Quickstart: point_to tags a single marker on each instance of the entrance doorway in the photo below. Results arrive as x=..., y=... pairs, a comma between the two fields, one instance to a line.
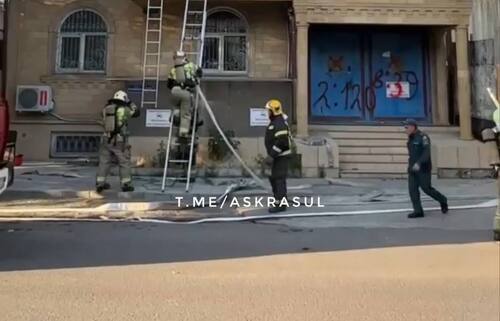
x=368, y=75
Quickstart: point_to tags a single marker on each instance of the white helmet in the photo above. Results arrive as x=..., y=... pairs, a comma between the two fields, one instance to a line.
x=121, y=95
x=180, y=54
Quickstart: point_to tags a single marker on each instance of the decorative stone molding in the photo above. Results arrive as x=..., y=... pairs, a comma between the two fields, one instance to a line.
x=438, y=12
x=75, y=82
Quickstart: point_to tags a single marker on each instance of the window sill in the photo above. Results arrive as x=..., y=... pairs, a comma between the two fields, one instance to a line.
x=73, y=77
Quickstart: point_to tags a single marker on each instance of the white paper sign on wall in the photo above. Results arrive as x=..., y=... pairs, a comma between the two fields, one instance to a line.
x=398, y=89
x=259, y=117
x=158, y=118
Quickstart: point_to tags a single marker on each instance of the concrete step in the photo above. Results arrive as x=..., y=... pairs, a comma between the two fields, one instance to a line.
x=360, y=150
x=370, y=143
x=383, y=159
x=367, y=135
x=359, y=174
x=386, y=129
x=374, y=167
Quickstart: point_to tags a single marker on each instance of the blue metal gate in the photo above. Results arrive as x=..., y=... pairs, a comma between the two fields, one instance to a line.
x=361, y=75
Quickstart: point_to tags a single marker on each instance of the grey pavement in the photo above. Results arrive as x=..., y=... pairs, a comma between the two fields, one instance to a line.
x=40, y=187
x=47, y=245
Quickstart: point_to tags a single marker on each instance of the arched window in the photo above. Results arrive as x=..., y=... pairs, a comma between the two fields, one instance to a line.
x=225, y=43
x=82, y=43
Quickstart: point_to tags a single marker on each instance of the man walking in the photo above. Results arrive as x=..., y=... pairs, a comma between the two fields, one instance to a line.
x=278, y=147
x=114, y=144
x=419, y=169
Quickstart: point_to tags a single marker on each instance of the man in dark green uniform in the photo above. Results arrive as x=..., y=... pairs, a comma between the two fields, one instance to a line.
x=419, y=169
x=278, y=147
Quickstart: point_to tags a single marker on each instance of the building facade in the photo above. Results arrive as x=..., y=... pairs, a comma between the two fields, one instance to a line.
x=349, y=70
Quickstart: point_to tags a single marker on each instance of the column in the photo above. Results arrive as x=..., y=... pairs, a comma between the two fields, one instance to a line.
x=440, y=110
x=497, y=48
x=463, y=82
x=302, y=84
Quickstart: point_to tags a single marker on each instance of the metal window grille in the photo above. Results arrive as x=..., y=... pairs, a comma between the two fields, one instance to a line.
x=71, y=145
x=82, y=45
x=225, y=48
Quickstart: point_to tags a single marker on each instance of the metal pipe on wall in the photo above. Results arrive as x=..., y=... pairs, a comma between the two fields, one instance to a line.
x=292, y=58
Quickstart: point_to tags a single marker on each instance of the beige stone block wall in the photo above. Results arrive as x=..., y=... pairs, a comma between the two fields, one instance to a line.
x=32, y=58
x=34, y=141
x=38, y=23
x=458, y=154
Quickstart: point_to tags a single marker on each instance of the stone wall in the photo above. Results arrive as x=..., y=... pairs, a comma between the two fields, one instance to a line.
x=485, y=23
x=33, y=48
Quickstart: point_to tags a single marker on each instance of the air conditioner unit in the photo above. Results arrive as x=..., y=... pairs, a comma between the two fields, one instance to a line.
x=34, y=99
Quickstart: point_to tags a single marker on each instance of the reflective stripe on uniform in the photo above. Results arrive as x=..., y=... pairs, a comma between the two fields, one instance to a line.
x=276, y=149
x=126, y=180
x=101, y=179
x=287, y=152
x=281, y=133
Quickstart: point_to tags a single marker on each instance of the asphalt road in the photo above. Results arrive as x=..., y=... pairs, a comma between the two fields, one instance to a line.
x=369, y=267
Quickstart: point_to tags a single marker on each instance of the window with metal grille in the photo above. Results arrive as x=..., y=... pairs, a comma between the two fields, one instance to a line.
x=69, y=145
x=82, y=43
x=225, y=48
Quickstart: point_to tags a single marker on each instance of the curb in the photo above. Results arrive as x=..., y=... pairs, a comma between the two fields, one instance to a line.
x=198, y=219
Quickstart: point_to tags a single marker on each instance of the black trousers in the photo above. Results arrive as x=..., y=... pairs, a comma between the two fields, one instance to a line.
x=422, y=180
x=279, y=172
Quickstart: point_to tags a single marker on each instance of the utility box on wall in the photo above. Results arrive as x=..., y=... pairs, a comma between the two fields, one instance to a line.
x=34, y=99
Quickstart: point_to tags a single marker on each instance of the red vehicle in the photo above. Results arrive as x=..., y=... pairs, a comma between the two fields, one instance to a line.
x=7, y=140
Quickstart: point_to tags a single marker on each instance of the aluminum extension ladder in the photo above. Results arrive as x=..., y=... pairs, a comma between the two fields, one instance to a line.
x=152, y=50
x=192, y=43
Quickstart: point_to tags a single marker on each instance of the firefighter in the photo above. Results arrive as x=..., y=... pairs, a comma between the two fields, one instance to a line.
x=182, y=82
x=492, y=137
x=419, y=169
x=278, y=146
x=114, y=144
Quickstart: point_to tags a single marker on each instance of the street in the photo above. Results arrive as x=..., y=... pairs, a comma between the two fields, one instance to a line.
x=362, y=267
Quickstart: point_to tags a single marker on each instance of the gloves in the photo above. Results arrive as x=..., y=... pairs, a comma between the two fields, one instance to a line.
x=416, y=167
x=268, y=161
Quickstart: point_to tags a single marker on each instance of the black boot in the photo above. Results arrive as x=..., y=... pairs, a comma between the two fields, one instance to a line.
x=277, y=209
x=444, y=208
x=415, y=215
x=127, y=188
x=102, y=187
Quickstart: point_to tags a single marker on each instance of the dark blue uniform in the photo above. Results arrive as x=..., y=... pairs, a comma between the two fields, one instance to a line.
x=419, y=151
x=278, y=143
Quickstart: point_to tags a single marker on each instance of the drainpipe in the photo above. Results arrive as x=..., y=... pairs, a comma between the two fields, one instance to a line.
x=292, y=57
x=3, y=54
x=292, y=36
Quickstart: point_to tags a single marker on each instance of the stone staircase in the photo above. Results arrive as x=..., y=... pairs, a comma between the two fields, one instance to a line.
x=371, y=151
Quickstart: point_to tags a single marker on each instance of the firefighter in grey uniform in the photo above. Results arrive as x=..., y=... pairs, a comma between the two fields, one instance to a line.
x=114, y=145
x=420, y=169
x=492, y=137
x=278, y=146
x=182, y=82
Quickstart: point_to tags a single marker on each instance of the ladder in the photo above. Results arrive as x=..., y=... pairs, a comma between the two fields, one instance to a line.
x=152, y=50
x=192, y=43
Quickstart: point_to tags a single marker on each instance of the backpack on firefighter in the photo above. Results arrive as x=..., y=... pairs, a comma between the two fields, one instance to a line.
x=115, y=115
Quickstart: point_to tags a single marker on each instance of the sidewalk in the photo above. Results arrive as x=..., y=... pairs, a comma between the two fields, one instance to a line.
x=65, y=190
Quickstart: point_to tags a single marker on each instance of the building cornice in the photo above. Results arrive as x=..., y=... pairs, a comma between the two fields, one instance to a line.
x=425, y=12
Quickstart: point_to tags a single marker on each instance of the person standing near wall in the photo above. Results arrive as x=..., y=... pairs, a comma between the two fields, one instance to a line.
x=114, y=144
x=278, y=147
x=420, y=169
